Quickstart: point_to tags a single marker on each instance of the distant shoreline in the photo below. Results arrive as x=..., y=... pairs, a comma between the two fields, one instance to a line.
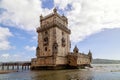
x=105, y=61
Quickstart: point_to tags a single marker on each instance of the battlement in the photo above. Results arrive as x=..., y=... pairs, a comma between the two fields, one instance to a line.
x=53, y=18
x=53, y=24
x=81, y=55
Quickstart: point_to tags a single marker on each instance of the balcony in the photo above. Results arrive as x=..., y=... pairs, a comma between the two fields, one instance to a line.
x=53, y=24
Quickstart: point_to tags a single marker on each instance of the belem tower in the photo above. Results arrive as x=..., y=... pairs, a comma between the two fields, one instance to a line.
x=53, y=50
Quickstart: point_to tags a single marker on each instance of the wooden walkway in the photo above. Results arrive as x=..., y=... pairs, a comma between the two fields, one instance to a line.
x=15, y=65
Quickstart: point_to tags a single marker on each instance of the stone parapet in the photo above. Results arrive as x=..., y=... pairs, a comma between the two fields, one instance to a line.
x=53, y=24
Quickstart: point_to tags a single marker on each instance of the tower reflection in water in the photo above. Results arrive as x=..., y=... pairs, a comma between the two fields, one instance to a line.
x=63, y=75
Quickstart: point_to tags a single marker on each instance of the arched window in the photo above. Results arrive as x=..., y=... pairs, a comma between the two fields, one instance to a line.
x=63, y=42
x=45, y=41
x=55, y=47
x=45, y=48
x=62, y=33
x=76, y=51
x=46, y=33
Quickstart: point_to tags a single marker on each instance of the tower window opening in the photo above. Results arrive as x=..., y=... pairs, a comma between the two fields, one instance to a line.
x=76, y=51
x=46, y=32
x=45, y=48
x=55, y=47
x=62, y=33
x=46, y=39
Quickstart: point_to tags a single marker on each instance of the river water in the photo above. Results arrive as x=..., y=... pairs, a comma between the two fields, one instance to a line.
x=99, y=72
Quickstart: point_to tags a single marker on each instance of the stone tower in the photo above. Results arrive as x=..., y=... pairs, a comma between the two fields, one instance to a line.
x=53, y=41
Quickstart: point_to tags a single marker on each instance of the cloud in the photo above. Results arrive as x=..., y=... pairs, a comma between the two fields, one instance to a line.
x=62, y=4
x=8, y=57
x=4, y=35
x=87, y=17
x=5, y=56
x=34, y=37
x=23, y=14
x=30, y=48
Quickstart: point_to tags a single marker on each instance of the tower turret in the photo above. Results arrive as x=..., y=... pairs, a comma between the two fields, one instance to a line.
x=90, y=55
x=75, y=50
x=55, y=10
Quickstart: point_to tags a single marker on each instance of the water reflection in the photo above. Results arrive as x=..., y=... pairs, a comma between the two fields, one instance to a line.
x=63, y=75
x=99, y=72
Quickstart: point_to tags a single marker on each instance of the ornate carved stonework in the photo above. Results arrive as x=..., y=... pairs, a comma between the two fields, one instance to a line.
x=46, y=41
x=55, y=48
x=63, y=41
x=53, y=24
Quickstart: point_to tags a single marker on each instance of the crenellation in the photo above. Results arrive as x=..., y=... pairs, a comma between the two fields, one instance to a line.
x=47, y=26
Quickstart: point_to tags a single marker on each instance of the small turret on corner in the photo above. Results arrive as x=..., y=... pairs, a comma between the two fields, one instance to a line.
x=76, y=50
x=55, y=10
x=90, y=55
x=90, y=58
x=37, y=51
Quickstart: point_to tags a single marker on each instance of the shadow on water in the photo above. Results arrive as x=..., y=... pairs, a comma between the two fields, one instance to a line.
x=62, y=75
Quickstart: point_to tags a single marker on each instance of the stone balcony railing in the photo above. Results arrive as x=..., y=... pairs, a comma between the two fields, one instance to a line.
x=53, y=24
x=82, y=55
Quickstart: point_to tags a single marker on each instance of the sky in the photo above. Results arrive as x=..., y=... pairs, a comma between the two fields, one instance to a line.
x=94, y=25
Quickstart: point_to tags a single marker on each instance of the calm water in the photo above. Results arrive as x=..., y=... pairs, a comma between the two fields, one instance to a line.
x=99, y=72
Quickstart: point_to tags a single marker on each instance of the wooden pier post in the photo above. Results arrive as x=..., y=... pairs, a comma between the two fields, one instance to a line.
x=13, y=67
x=17, y=67
x=7, y=67
x=25, y=67
x=2, y=67
x=28, y=67
x=22, y=67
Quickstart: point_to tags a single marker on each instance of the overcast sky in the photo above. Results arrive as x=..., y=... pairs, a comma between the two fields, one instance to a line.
x=95, y=26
